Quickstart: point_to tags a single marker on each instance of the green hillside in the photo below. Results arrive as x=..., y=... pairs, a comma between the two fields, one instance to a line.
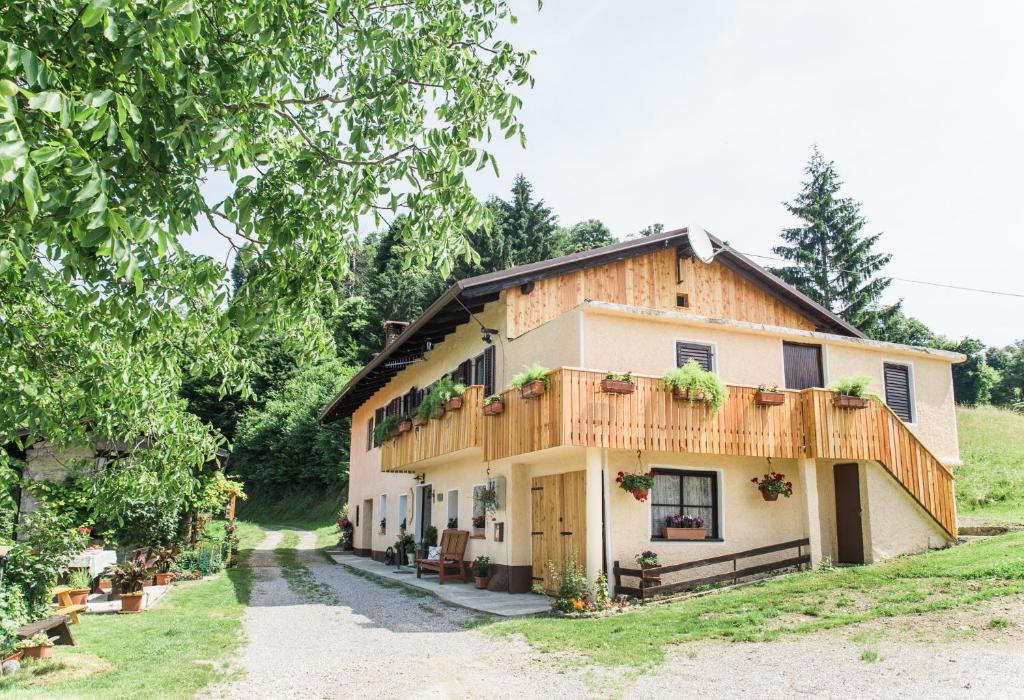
x=990, y=484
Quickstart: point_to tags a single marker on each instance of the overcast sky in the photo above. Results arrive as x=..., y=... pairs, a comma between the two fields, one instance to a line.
x=706, y=112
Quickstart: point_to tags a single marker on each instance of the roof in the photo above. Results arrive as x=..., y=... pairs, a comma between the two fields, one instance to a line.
x=468, y=296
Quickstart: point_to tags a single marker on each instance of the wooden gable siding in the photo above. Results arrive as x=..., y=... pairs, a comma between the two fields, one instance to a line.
x=650, y=281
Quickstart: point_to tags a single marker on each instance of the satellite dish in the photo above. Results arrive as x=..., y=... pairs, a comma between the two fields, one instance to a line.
x=700, y=244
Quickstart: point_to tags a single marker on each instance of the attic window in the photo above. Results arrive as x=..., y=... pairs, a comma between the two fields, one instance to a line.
x=683, y=300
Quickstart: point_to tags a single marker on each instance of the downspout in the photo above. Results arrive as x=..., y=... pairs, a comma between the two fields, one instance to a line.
x=606, y=522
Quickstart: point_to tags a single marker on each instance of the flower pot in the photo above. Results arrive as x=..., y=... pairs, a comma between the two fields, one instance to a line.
x=533, y=389
x=418, y=422
x=405, y=426
x=481, y=581
x=163, y=579
x=684, y=533
x=453, y=404
x=855, y=402
x=769, y=398
x=768, y=496
x=494, y=408
x=131, y=602
x=478, y=531
x=38, y=652
x=617, y=386
x=688, y=395
x=79, y=596
x=437, y=412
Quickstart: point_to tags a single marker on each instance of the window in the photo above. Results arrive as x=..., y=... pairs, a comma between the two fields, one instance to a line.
x=682, y=300
x=403, y=511
x=384, y=509
x=802, y=365
x=378, y=417
x=898, y=393
x=482, y=369
x=453, y=509
x=701, y=352
x=478, y=506
x=685, y=493
x=369, y=434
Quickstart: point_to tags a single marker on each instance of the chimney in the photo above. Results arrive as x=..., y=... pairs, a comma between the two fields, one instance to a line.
x=393, y=329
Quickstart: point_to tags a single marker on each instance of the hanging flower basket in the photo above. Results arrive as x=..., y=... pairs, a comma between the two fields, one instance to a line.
x=493, y=405
x=453, y=404
x=769, y=397
x=438, y=412
x=615, y=383
x=637, y=484
x=405, y=426
x=533, y=389
x=772, y=485
x=419, y=422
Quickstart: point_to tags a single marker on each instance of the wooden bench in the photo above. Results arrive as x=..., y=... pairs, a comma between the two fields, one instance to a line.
x=64, y=606
x=453, y=551
x=57, y=623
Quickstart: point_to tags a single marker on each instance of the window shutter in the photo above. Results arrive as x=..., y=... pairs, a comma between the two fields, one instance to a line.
x=488, y=381
x=694, y=351
x=897, y=391
x=369, y=434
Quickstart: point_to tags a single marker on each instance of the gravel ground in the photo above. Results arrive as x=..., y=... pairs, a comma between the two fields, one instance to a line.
x=345, y=636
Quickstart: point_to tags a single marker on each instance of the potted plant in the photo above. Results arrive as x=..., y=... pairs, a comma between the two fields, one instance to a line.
x=691, y=383
x=637, y=484
x=684, y=527
x=649, y=560
x=165, y=558
x=80, y=583
x=769, y=395
x=772, y=485
x=128, y=579
x=479, y=524
x=404, y=424
x=488, y=499
x=383, y=525
x=38, y=646
x=449, y=393
x=403, y=545
x=531, y=382
x=482, y=571
x=493, y=405
x=429, y=539
x=387, y=428
x=618, y=383
x=852, y=392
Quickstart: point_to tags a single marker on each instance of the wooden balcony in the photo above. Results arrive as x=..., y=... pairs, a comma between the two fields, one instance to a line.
x=455, y=431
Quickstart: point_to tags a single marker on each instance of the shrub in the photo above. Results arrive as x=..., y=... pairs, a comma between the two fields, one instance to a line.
x=573, y=593
x=482, y=566
x=708, y=386
x=533, y=373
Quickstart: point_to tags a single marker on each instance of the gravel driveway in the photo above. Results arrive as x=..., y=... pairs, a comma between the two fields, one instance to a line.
x=337, y=635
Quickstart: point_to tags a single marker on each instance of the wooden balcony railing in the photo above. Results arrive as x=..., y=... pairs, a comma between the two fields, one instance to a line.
x=453, y=432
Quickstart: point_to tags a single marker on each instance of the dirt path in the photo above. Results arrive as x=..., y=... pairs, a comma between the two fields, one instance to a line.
x=316, y=630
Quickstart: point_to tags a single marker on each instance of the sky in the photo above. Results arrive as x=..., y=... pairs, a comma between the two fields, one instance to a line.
x=682, y=112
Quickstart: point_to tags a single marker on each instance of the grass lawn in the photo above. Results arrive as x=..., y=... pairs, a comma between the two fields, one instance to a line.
x=790, y=605
x=990, y=484
x=170, y=651
x=304, y=512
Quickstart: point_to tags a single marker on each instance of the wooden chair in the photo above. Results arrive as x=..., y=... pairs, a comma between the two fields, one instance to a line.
x=64, y=606
x=453, y=551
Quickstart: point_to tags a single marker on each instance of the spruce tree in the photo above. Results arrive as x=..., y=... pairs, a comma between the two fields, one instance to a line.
x=832, y=262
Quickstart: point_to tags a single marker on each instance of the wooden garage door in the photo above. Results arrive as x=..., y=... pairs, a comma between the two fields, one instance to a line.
x=559, y=525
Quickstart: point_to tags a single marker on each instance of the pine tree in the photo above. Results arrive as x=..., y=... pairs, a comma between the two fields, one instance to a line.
x=832, y=262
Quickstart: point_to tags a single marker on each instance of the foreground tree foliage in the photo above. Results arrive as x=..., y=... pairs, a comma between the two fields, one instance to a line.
x=322, y=116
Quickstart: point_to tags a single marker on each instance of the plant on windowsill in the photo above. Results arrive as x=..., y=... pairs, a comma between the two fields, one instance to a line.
x=648, y=559
x=387, y=428
x=637, y=484
x=479, y=525
x=769, y=395
x=852, y=392
x=772, y=485
x=482, y=571
x=383, y=525
x=404, y=424
x=691, y=383
x=531, y=382
x=684, y=527
x=618, y=383
x=493, y=405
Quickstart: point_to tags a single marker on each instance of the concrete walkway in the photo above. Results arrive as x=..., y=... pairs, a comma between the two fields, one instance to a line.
x=465, y=595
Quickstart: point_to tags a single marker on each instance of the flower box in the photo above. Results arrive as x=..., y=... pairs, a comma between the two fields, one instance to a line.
x=453, y=404
x=684, y=533
x=405, y=426
x=437, y=412
x=533, y=389
x=417, y=421
x=769, y=398
x=617, y=386
x=494, y=408
x=689, y=395
x=39, y=652
x=853, y=402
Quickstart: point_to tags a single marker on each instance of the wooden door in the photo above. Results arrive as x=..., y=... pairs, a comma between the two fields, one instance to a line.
x=427, y=509
x=559, y=524
x=803, y=366
x=368, y=525
x=849, y=534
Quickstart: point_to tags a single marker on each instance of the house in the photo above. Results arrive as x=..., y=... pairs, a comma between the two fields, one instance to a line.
x=868, y=483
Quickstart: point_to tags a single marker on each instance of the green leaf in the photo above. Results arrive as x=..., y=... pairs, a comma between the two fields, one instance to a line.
x=8, y=89
x=48, y=101
x=47, y=154
x=95, y=12
x=33, y=193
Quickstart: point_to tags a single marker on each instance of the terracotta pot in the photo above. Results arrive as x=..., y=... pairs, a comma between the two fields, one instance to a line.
x=854, y=402
x=481, y=581
x=454, y=403
x=163, y=579
x=405, y=426
x=437, y=412
x=684, y=533
x=79, y=596
x=617, y=386
x=38, y=652
x=131, y=602
x=769, y=496
x=494, y=408
x=533, y=389
x=688, y=395
x=417, y=421
x=769, y=398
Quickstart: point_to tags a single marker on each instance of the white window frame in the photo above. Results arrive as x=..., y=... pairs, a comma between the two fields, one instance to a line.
x=403, y=510
x=719, y=506
x=448, y=512
x=383, y=502
x=910, y=385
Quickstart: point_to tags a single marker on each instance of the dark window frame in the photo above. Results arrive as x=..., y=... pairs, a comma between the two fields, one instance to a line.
x=715, y=531
x=710, y=347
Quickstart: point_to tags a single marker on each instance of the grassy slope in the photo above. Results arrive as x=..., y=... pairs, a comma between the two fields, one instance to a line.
x=794, y=604
x=990, y=484
x=304, y=512
x=170, y=651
